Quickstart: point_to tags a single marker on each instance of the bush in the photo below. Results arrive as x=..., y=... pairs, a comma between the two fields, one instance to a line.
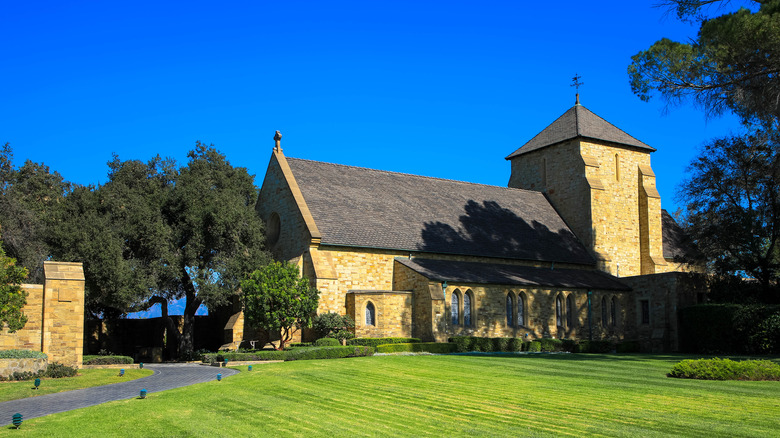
x=187, y=356
x=551, y=344
x=333, y=325
x=106, y=360
x=514, y=344
x=585, y=346
x=55, y=370
x=299, y=344
x=726, y=369
x=628, y=347
x=462, y=343
x=373, y=342
x=326, y=342
x=569, y=345
x=329, y=352
x=22, y=354
x=534, y=346
x=418, y=347
x=213, y=358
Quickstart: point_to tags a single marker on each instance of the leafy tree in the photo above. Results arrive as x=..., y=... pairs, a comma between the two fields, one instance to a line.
x=278, y=300
x=733, y=207
x=12, y=296
x=29, y=199
x=733, y=64
x=155, y=232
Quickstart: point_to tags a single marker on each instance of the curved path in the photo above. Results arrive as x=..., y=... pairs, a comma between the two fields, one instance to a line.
x=166, y=376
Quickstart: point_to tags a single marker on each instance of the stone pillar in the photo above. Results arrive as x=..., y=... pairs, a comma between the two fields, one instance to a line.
x=62, y=334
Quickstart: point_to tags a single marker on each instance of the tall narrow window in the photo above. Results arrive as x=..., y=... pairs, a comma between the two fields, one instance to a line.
x=454, y=305
x=370, y=314
x=569, y=311
x=510, y=310
x=613, y=312
x=604, y=312
x=617, y=167
x=645, y=311
x=467, y=309
x=520, y=310
x=544, y=173
x=558, y=311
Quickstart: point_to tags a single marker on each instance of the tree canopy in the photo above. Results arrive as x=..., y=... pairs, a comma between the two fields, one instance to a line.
x=278, y=300
x=733, y=64
x=12, y=296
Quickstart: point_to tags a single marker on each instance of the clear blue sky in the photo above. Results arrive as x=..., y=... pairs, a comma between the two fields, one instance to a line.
x=437, y=88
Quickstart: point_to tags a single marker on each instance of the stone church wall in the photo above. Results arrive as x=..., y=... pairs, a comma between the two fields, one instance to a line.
x=393, y=313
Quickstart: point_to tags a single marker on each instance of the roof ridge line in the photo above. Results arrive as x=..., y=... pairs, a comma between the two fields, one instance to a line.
x=614, y=126
x=415, y=175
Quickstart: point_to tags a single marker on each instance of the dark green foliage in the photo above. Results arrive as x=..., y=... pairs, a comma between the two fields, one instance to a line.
x=12, y=296
x=22, y=354
x=726, y=369
x=418, y=347
x=278, y=300
x=333, y=325
x=106, y=360
x=299, y=344
x=373, y=342
x=586, y=346
x=534, y=346
x=187, y=356
x=462, y=343
x=628, y=347
x=326, y=342
x=569, y=345
x=56, y=370
x=482, y=344
x=329, y=352
x=514, y=344
x=551, y=344
x=213, y=358
x=730, y=328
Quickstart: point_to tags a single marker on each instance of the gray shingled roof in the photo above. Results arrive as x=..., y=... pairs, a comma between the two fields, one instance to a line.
x=490, y=273
x=579, y=121
x=355, y=206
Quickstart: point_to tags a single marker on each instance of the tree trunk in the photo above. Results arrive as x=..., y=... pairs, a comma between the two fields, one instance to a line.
x=192, y=302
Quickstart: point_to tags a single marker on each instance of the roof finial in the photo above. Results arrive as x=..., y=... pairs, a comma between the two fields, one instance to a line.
x=575, y=82
x=278, y=140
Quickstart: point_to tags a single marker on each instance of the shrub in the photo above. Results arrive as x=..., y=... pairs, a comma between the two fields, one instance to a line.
x=569, y=345
x=427, y=347
x=326, y=342
x=462, y=343
x=22, y=354
x=331, y=324
x=500, y=344
x=299, y=344
x=482, y=344
x=534, y=346
x=187, y=356
x=373, y=342
x=56, y=370
x=257, y=355
x=551, y=344
x=106, y=360
x=585, y=346
x=329, y=352
x=514, y=344
x=726, y=369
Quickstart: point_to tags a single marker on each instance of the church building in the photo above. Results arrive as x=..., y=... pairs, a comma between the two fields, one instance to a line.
x=577, y=246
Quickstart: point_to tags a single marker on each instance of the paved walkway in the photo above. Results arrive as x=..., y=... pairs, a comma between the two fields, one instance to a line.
x=166, y=376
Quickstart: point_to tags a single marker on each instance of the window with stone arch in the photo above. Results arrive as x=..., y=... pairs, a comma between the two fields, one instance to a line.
x=570, y=311
x=510, y=310
x=558, y=311
x=468, y=313
x=455, y=307
x=604, y=321
x=613, y=312
x=370, y=314
x=521, y=309
x=617, y=167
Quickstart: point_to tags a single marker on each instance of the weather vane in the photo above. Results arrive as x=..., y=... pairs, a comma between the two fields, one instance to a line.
x=575, y=82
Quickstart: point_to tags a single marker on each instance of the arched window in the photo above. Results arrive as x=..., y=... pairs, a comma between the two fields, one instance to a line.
x=510, y=310
x=558, y=311
x=604, y=312
x=569, y=310
x=617, y=167
x=613, y=312
x=370, y=314
x=467, y=309
x=520, y=309
x=454, y=308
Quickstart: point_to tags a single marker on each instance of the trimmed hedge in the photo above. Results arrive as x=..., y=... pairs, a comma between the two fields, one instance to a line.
x=726, y=369
x=586, y=346
x=233, y=356
x=54, y=370
x=534, y=346
x=22, y=354
x=106, y=360
x=418, y=347
x=374, y=342
x=329, y=352
x=327, y=342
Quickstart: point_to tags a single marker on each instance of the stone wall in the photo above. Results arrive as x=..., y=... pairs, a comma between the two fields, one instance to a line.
x=55, y=313
x=10, y=366
x=393, y=313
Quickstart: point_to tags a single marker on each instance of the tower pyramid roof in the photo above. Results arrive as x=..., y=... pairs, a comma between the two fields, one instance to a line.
x=579, y=121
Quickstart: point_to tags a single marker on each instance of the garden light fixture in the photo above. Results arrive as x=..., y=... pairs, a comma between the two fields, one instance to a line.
x=250, y=368
x=37, y=383
x=143, y=393
x=17, y=419
x=219, y=377
x=122, y=372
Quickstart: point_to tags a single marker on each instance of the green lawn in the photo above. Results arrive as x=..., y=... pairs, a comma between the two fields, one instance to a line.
x=86, y=378
x=547, y=395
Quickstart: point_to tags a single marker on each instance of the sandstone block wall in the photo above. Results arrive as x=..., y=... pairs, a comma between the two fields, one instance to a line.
x=55, y=313
x=393, y=313
x=10, y=366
